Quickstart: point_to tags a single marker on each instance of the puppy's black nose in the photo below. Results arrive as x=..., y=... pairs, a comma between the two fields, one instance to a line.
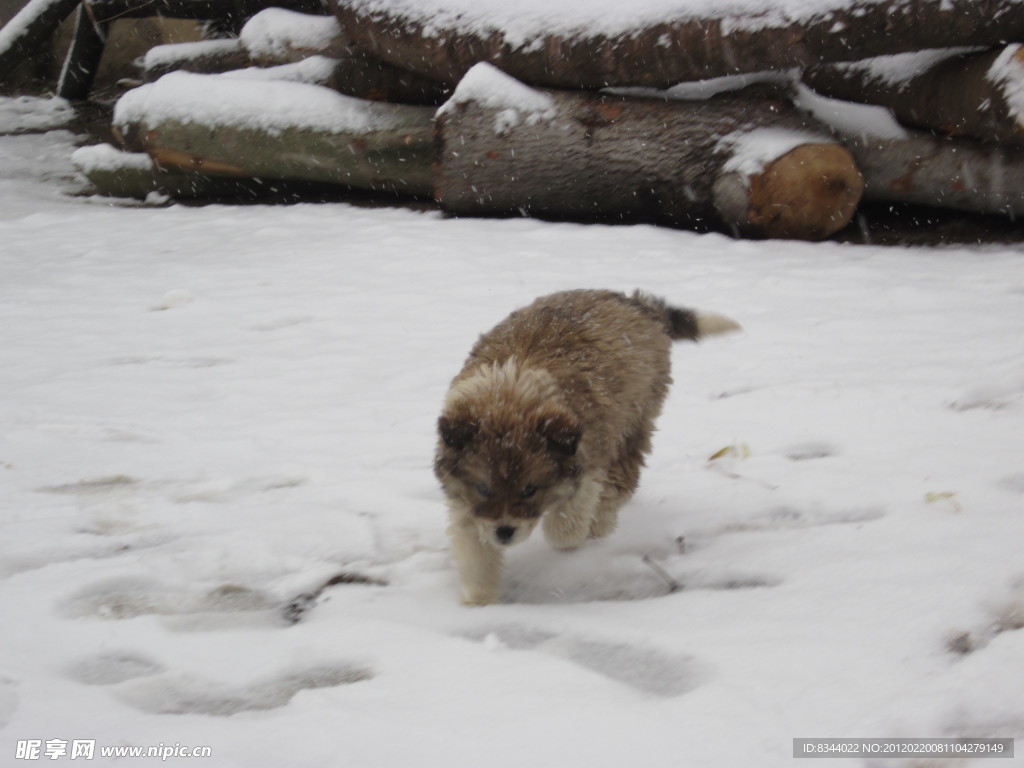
x=505, y=533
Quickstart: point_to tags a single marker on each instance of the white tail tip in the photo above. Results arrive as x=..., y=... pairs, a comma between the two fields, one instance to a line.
x=712, y=325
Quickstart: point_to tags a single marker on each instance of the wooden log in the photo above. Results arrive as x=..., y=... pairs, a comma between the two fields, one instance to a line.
x=924, y=169
x=224, y=125
x=365, y=77
x=747, y=161
x=202, y=57
x=627, y=45
x=276, y=36
x=134, y=175
x=29, y=29
x=82, y=59
x=955, y=93
x=114, y=173
x=231, y=15
x=910, y=166
x=38, y=20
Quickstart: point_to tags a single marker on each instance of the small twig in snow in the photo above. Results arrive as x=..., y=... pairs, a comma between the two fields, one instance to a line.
x=673, y=585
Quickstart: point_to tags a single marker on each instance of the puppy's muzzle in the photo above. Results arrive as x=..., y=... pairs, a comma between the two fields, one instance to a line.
x=505, y=533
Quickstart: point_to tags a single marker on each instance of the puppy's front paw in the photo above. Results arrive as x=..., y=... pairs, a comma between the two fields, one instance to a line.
x=566, y=532
x=480, y=598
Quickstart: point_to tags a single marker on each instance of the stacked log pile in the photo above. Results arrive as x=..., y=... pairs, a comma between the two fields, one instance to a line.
x=767, y=126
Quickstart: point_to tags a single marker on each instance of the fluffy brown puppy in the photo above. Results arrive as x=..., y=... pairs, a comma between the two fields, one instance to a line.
x=550, y=419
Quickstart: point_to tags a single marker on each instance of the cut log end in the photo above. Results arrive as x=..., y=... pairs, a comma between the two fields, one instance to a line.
x=809, y=193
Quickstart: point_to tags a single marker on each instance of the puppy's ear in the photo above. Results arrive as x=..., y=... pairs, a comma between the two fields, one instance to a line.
x=562, y=433
x=457, y=432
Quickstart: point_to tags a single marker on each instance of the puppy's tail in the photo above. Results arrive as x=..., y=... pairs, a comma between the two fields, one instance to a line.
x=683, y=324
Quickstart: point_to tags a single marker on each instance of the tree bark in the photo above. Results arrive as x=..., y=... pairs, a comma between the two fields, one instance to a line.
x=746, y=161
x=202, y=57
x=361, y=75
x=231, y=13
x=663, y=54
x=356, y=74
x=928, y=170
x=391, y=153
x=966, y=94
x=134, y=175
x=910, y=166
x=30, y=28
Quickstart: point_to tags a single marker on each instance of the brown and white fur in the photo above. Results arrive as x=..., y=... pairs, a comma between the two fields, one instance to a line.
x=549, y=420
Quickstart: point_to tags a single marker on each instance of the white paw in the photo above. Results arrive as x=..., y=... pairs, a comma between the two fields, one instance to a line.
x=480, y=598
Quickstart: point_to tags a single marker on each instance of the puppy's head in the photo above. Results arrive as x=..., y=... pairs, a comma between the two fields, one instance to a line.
x=506, y=460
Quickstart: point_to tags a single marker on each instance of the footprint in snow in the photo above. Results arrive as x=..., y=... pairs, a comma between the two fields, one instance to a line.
x=647, y=670
x=212, y=490
x=1013, y=483
x=282, y=322
x=787, y=517
x=991, y=396
x=87, y=544
x=171, y=694
x=1005, y=616
x=112, y=668
x=810, y=451
x=110, y=530
x=171, y=362
x=588, y=576
x=93, y=486
x=226, y=606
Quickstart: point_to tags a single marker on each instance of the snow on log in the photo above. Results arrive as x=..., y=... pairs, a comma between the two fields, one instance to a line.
x=360, y=75
x=946, y=173
x=316, y=70
x=910, y=166
x=658, y=43
x=277, y=36
x=246, y=126
x=232, y=15
x=33, y=114
x=201, y=57
x=134, y=174
x=31, y=27
x=953, y=92
x=745, y=161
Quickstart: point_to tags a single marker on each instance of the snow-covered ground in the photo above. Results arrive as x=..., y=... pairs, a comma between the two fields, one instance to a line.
x=208, y=413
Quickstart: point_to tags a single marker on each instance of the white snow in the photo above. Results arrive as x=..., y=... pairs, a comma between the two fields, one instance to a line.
x=1007, y=73
x=487, y=85
x=858, y=120
x=750, y=151
x=842, y=116
x=699, y=90
x=254, y=101
x=524, y=23
x=172, y=53
x=897, y=70
x=208, y=412
x=109, y=158
x=24, y=114
x=275, y=32
x=18, y=24
x=314, y=70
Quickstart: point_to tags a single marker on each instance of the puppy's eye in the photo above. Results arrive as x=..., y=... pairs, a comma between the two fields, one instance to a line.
x=528, y=491
x=483, y=490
